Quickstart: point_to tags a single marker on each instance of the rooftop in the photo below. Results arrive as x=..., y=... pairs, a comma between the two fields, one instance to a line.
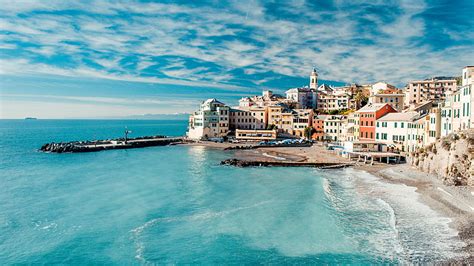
x=408, y=116
x=371, y=107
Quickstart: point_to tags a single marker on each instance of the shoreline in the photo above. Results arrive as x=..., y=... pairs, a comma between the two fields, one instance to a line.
x=455, y=203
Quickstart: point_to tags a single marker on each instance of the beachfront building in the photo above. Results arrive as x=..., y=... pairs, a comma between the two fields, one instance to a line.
x=335, y=128
x=416, y=135
x=254, y=117
x=242, y=134
x=274, y=116
x=210, y=121
x=352, y=127
x=433, y=89
x=304, y=97
x=396, y=100
x=302, y=118
x=367, y=118
x=433, y=126
x=318, y=127
x=457, y=110
x=392, y=129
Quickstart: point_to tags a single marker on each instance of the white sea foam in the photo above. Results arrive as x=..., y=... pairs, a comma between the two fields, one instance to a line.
x=416, y=232
x=136, y=232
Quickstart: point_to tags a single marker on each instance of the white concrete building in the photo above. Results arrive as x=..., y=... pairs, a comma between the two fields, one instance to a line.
x=210, y=121
x=393, y=129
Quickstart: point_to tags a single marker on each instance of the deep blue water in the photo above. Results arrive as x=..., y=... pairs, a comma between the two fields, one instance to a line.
x=176, y=204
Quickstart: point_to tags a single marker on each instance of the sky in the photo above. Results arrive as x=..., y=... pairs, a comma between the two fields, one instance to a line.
x=91, y=59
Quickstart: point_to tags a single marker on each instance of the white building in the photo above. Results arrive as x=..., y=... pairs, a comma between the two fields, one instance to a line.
x=313, y=79
x=382, y=87
x=396, y=100
x=305, y=97
x=210, y=121
x=393, y=129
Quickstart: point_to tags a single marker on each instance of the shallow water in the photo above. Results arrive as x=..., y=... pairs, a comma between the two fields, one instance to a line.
x=176, y=204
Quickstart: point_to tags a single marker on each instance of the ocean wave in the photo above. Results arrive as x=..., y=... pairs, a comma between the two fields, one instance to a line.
x=414, y=233
x=136, y=232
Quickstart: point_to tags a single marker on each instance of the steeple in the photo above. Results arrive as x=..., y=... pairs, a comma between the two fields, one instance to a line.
x=313, y=79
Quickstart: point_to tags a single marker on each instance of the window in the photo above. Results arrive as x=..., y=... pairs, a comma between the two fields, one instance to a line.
x=377, y=135
x=402, y=125
x=395, y=124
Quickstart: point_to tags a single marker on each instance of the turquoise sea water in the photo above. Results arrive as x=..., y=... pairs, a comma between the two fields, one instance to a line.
x=176, y=204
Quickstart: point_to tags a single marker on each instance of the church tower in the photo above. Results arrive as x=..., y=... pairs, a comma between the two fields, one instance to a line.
x=313, y=79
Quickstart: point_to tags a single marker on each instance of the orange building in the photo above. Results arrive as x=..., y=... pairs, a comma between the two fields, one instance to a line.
x=368, y=116
x=318, y=126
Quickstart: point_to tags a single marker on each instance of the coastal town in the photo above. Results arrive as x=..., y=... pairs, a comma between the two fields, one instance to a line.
x=374, y=121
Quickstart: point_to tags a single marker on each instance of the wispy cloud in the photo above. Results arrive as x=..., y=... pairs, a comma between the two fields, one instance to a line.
x=236, y=45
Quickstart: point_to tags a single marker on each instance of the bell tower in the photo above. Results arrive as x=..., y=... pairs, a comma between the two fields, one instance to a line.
x=313, y=79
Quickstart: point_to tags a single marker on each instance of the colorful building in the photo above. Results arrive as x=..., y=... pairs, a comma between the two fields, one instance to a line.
x=368, y=116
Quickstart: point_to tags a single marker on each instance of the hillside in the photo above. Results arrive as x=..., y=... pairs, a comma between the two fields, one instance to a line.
x=450, y=158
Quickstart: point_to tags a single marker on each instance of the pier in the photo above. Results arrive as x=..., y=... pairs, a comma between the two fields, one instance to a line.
x=114, y=144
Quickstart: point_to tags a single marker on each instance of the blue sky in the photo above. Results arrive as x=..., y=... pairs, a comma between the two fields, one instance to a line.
x=64, y=59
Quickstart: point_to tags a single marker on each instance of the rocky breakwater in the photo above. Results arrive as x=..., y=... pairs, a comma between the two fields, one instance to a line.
x=450, y=158
x=244, y=163
x=99, y=145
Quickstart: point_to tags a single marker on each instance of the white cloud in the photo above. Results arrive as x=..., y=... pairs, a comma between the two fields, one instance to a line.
x=256, y=42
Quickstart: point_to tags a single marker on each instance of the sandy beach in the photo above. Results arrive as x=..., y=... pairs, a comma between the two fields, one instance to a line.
x=457, y=203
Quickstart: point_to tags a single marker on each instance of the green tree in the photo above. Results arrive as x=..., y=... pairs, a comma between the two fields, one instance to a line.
x=308, y=132
x=361, y=99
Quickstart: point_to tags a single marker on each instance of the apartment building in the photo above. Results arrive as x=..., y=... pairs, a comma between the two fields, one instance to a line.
x=318, y=127
x=352, y=127
x=396, y=100
x=367, y=118
x=247, y=118
x=335, y=128
x=433, y=89
x=210, y=121
x=392, y=129
x=302, y=118
x=333, y=100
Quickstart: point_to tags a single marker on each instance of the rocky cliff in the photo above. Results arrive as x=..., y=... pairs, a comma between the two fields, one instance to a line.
x=450, y=158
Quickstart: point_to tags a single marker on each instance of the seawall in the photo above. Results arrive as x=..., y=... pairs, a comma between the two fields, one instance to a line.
x=100, y=145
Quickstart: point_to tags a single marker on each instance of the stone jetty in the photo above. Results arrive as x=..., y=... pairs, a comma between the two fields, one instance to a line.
x=244, y=163
x=113, y=144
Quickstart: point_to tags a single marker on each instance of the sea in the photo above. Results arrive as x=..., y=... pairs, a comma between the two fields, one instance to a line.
x=178, y=205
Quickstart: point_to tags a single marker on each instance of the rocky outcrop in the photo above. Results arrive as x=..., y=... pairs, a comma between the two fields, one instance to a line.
x=450, y=158
x=243, y=163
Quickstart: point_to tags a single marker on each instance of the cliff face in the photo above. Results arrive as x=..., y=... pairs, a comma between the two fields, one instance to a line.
x=450, y=158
